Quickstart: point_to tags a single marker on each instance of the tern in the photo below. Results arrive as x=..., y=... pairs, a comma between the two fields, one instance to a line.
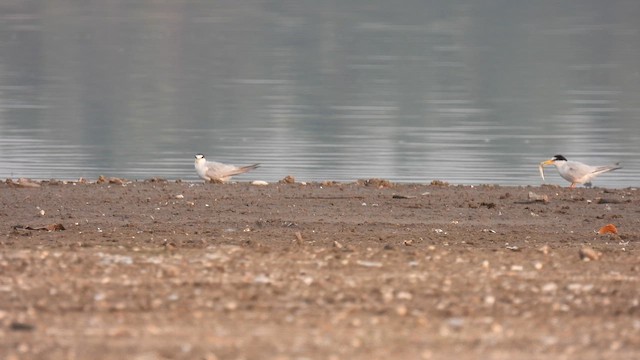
x=576, y=172
x=216, y=172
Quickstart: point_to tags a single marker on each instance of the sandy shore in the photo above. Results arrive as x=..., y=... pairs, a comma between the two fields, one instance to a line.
x=369, y=270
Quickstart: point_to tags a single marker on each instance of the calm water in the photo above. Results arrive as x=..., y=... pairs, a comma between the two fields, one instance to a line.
x=462, y=91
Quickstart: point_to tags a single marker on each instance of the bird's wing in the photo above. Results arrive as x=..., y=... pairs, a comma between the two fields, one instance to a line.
x=216, y=170
x=584, y=173
x=576, y=170
x=241, y=170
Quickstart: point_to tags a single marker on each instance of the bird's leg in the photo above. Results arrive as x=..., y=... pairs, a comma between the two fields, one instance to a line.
x=573, y=186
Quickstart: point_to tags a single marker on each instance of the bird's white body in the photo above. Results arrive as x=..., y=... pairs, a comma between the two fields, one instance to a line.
x=212, y=171
x=576, y=172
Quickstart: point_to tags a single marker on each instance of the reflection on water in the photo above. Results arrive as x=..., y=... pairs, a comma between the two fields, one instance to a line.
x=467, y=92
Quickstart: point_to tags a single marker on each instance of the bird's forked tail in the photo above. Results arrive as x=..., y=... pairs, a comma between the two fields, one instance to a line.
x=607, y=168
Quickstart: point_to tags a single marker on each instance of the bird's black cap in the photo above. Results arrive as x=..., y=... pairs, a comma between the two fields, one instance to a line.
x=559, y=157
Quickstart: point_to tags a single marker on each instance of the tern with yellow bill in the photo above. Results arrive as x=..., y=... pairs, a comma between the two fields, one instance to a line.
x=576, y=172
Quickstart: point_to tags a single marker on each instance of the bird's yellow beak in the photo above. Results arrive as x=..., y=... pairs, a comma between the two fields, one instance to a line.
x=547, y=162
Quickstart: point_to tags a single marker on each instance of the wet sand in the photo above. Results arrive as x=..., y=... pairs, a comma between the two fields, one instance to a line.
x=366, y=270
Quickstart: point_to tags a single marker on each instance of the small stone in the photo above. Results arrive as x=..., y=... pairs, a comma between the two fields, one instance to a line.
x=545, y=249
x=549, y=287
x=580, y=288
x=288, y=180
x=19, y=326
x=259, y=183
x=401, y=310
x=261, y=279
x=536, y=197
x=588, y=254
x=369, y=263
x=455, y=322
x=379, y=183
x=439, y=183
x=489, y=300
x=179, y=196
x=27, y=183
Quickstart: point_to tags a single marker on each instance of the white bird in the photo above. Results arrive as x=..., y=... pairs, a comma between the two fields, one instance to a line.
x=576, y=172
x=216, y=172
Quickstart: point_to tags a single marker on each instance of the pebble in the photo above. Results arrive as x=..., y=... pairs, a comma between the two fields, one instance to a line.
x=259, y=183
x=288, y=180
x=549, y=287
x=401, y=310
x=261, y=279
x=455, y=322
x=109, y=259
x=366, y=263
x=23, y=182
x=578, y=288
x=545, y=249
x=588, y=254
x=517, y=268
x=536, y=197
x=489, y=300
